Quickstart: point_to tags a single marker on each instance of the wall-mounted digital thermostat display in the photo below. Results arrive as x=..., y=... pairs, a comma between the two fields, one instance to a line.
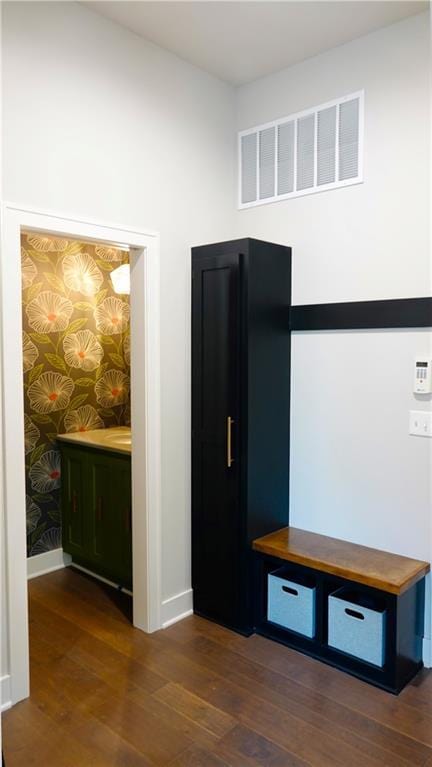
x=423, y=376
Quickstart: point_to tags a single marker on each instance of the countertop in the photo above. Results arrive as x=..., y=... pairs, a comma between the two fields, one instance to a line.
x=116, y=439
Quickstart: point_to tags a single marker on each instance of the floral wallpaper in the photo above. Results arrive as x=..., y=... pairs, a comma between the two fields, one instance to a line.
x=76, y=361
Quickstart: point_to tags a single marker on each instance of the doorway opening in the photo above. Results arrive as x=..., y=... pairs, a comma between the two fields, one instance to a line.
x=77, y=414
x=90, y=363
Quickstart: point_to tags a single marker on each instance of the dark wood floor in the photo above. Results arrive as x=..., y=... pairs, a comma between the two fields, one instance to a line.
x=195, y=695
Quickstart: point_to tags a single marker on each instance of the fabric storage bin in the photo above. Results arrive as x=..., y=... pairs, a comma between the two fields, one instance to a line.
x=291, y=602
x=356, y=625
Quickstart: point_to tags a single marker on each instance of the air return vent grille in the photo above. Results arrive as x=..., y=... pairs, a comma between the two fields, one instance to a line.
x=249, y=173
x=314, y=150
x=267, y=167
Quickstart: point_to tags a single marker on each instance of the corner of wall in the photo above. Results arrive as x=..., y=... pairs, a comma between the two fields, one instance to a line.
x=5, y=693
x=176, y=608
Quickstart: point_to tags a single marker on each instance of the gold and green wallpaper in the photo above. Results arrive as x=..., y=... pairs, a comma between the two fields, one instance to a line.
x=76, y=361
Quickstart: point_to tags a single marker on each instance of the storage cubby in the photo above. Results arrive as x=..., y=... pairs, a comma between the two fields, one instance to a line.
x=291, y=601
x=357, y=625
x=389, y=653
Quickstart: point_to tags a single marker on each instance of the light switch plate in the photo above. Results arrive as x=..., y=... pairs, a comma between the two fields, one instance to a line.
x=420, y=423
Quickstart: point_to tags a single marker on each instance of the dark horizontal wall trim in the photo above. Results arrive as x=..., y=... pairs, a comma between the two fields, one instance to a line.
x=355, y=315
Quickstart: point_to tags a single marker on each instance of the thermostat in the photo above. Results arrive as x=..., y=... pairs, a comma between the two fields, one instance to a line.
x=423, y=376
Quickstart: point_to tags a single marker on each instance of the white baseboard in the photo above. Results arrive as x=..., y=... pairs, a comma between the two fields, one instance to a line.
x=42, y=564
x=427, y=652
x=176, y=608
x=5, y=693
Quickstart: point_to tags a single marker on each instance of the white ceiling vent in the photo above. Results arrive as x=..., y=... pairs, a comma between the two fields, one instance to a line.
x=249, y=173
x=326, y=146
x=267, y=145
x=348, y=139
x=305, y=151
x=285, y=158
x=314, y=150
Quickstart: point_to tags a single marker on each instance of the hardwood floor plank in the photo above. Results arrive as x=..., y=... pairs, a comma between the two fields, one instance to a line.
x=389, y=710
x=144, y=731
x=95, y=593
x=104, y=694
x=194, y=625
x=285, y=731
x=366, y=735
x=175, y=667
x=233, y=700
x=53, y=701
x=157, y=656
x=289, y=732
x=195, y=756
x=174, y=719
x=244, y=748
x=418, y=694
x=82, y=689
x=210, y=718
x=115, y=632
x=30, y=740
x=93, y=654
x=112, y=747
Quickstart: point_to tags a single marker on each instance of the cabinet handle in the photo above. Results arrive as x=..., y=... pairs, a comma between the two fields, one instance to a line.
x=230, y=459
x=99, y=509
x=74, y=502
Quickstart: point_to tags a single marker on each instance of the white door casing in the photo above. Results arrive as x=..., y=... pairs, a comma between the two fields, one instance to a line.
x=145, y=409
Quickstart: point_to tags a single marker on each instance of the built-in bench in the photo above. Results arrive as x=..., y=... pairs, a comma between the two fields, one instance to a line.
x=365, y=591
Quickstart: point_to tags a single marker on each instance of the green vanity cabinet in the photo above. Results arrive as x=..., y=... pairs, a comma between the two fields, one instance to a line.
x=96, y=511
x=73, y=492
x=124, y=503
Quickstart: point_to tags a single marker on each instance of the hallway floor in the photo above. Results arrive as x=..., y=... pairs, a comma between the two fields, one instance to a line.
x=195, y=695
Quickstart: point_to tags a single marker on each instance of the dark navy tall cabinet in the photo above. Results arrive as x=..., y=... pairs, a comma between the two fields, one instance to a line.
x=241, y=295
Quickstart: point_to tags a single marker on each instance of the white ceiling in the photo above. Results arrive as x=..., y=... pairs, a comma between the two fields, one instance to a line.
x=242, y=41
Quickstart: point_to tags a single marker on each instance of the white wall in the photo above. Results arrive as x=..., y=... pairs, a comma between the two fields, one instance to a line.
x=355, y=472
x=100, y=124
x=368, y=241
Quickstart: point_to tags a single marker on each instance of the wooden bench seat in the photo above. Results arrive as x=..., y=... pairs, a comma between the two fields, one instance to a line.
x=379, y=569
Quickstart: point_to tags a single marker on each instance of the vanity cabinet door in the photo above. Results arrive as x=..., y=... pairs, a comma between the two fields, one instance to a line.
x=96, y=512
x=74, y=501
x=122, y=500
x=102, y=543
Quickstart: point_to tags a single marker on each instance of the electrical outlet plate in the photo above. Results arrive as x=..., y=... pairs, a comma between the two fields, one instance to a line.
x=420, y=423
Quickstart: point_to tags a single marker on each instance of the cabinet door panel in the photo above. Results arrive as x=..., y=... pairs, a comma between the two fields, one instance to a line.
x=216, y=506
x=74, y=501
x=123, y=512
x=102, y=542
x=96, y=511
